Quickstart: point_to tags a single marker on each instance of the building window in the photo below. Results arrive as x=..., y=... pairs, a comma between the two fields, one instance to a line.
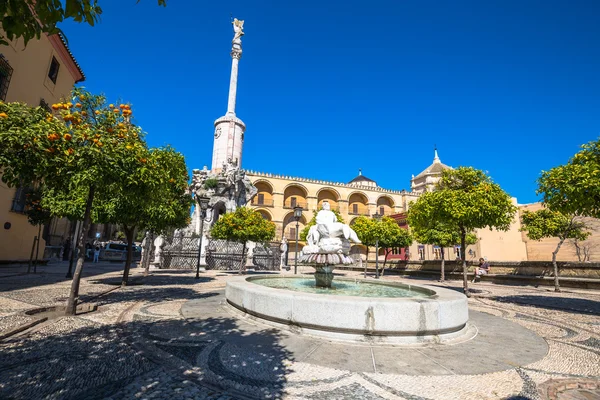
x=381, y=211
x=18, y=204
x=354, y=208
x=292, y=232
x=261, y=199
x=53, y=72
x=5, y=75
x=45, y=105
x=293, y=202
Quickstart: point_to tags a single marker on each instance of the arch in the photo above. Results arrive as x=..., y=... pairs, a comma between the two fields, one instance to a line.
x=385, y=205
x=264, y=197
x=265, y=214
x=330, y=195
x=358, y=203
x=329, y=189
x=353, y=220
x=294, y=195
x=264, y=186
x=295, y=184
x=363, y=198
x=289, y=226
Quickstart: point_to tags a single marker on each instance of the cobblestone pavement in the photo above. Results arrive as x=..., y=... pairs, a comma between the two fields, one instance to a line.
x=139, y=346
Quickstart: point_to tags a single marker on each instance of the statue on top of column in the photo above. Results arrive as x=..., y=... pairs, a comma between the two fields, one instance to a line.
x=238, y=28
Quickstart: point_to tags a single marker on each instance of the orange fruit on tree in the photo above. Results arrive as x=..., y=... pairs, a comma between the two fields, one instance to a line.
x=99, y=144
x=3, y=115
x=84, y=113
x=68, y=136
x=78, y=105
x=116, y=110
x=111, y=106
x=56, y=106
x=97, y=112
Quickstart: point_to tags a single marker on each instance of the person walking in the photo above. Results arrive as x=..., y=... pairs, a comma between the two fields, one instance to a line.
x=96, y=254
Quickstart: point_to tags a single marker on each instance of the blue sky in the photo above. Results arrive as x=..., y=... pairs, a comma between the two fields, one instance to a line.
x=327, y=87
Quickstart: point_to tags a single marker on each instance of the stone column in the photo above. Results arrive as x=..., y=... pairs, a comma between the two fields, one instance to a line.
x=236, y=54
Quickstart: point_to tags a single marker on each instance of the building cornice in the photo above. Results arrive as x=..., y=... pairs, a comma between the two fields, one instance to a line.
x=329, y=183
x=60, y=45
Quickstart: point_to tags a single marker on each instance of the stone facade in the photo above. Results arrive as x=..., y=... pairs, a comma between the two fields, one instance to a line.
x=278, y=194
x=41, y=73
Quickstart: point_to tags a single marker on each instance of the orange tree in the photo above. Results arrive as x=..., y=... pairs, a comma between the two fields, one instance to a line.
x=82, y=148
x=156, y=198
x=242, y=226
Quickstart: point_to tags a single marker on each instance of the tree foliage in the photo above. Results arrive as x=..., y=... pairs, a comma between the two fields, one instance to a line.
x=467, y=199
x=30, y=19
x=242, y=226
x=386, y=233
x=155, y=199
x=84, y=147
x=313, y=221
x=574, y=188
x=545, y=223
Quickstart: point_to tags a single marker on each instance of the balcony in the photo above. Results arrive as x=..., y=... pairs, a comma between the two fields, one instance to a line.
x=358, y=210
x=262, y=202
x=290, y=204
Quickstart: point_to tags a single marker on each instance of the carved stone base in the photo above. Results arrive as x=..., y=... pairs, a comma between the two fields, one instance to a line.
x=323, y=275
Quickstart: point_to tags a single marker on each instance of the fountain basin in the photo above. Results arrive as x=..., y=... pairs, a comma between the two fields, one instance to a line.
x=432, y=315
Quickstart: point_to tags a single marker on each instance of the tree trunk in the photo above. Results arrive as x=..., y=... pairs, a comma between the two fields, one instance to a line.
x=443, y=272
x=555, y=265
x=129, y=236
x=74, y=294
x=463, y=256
x=149, y=246
x=243, y=262
x=366, y=261
x=385, y=261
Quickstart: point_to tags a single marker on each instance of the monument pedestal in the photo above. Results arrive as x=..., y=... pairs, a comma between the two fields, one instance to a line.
x=324, y=275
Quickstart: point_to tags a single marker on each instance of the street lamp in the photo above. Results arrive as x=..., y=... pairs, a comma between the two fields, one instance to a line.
x=377, y=218
x=203, y=203
x=297, y=216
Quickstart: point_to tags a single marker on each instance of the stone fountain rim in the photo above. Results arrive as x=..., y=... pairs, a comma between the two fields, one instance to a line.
x=403, y=320
x=439, y=294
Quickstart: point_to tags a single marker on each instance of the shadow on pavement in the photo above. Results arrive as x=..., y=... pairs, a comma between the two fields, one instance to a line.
x=569, y=304
x=79, y=359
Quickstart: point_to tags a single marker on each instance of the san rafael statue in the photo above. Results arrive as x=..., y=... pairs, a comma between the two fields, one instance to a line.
x=328, y=245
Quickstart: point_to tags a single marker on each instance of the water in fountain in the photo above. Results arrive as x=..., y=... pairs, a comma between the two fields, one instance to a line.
x=343, y=287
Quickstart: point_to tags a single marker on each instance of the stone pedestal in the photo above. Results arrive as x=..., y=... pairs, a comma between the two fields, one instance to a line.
x=324, y=275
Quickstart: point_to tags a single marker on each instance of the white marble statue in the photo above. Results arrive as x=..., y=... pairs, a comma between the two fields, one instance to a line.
x=328, y=227
x=238, y=29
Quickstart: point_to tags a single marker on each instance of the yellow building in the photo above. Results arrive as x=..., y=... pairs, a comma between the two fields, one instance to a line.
x=541, y=250
x=40, y=74
x=278, y=195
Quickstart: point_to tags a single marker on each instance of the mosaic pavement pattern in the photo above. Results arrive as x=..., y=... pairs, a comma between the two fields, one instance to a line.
x=138, y=345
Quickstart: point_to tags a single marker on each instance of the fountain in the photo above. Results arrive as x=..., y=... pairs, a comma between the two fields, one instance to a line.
x=350, y=309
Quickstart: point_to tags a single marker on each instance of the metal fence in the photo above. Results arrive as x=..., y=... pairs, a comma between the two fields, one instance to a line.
x=267, y=257
x=180, y=252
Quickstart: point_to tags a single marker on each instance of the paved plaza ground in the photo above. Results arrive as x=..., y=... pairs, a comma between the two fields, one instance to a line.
x=170, y=336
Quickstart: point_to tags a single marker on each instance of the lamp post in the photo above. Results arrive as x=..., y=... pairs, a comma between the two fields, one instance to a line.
x=377, y=218
x=203, y=203
x=297, y=216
